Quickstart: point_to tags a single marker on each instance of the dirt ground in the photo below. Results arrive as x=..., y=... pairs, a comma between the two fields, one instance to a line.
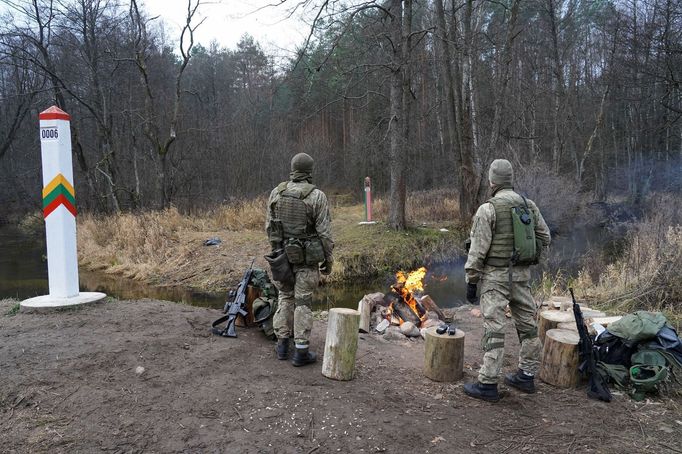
x=69, y=384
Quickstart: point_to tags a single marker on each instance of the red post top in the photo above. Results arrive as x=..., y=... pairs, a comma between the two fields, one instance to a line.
x=54, y=113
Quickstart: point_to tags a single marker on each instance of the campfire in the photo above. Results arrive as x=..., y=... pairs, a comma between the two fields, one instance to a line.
x=403, y=311
x=403, y=306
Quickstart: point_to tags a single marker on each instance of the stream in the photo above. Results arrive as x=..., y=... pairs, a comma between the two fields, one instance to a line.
x=23, y=274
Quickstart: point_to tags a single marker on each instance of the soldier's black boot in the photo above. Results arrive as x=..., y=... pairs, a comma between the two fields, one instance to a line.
x=302, y=357
x=282, y=348
x=483, y=391
x=521, y=381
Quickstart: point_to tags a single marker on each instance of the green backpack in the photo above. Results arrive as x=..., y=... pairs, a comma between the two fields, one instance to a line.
x=264, y=309
x=265, y=306
x=525, y=244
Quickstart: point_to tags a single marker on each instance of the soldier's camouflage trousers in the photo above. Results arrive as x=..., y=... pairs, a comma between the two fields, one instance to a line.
x=294, y=312
x=494, y=298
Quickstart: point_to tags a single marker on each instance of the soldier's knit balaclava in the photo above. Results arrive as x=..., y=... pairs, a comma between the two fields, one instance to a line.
x=501, y=173
x=301, y=168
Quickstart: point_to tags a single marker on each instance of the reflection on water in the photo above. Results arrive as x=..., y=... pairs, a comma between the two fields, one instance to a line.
x=23, y=270
x=122, y=288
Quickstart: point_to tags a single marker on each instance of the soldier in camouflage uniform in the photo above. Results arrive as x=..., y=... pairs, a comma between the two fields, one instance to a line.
x=302, y=213
x=488, y=266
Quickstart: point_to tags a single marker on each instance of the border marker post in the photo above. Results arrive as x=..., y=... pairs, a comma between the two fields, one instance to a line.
x=368, y=199
x=59, y=212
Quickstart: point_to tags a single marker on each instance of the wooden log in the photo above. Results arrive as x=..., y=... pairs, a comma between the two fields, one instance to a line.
x=443, y=355
x=404, y=311
x=550, y=319
x=561, y=302
x=559, y=366
x=606, y=321
x=565, y=303
x=431, y=306
x=567, y=325
x=365, y=307
x=341, y=344
x=592, y=313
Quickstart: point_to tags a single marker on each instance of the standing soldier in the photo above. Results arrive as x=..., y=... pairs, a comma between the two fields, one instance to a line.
x=507, y=236
x=298, y=223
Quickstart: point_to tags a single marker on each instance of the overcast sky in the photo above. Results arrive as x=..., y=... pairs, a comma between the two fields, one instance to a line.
x=227, y=20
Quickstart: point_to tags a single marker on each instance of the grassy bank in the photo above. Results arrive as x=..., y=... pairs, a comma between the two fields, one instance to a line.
x=644, y=272
x=166, y=247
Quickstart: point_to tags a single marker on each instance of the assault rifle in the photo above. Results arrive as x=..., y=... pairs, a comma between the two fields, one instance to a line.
x=235, y=307
x=597, y=387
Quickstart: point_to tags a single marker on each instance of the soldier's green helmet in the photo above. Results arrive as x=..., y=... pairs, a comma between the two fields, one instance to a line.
x=647, y=372
x=302, y=162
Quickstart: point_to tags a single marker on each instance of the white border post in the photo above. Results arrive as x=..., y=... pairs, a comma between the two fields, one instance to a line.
x=59, y=211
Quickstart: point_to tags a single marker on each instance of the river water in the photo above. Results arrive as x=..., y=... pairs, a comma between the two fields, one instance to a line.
x=23, y=274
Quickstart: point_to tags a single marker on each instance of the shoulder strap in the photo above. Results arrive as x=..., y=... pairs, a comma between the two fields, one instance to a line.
x=299, y=193
x=282, y=187
x=525, y=202
x=307, y=190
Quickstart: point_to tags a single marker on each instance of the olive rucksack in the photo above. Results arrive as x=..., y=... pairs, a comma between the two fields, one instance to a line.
x=264, y=309
x=526, y=249
x=265, y=306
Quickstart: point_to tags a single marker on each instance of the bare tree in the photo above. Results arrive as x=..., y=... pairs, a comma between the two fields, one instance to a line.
x=152, y=121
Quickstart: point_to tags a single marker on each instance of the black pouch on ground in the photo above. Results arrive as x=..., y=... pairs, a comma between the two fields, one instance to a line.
x=280, y=266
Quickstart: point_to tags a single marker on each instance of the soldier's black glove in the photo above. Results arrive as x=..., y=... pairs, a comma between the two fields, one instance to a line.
x=471, y=293
x=326, y=268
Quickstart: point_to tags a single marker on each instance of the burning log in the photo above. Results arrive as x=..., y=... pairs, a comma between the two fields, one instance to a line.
x=559, y=365
x=404, y=311
x=341, y=344
x=443, y=355
x=431, y=306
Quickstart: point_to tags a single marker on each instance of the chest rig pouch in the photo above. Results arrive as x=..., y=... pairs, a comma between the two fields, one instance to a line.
x=300, y=242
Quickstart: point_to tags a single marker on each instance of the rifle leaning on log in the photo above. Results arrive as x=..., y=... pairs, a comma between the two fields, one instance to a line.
x=234, y=308
x=597, y=388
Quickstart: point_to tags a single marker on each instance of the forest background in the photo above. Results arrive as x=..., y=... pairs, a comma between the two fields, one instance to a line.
x=583, y=97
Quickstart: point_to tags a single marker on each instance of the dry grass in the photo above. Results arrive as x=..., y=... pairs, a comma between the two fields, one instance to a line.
x=147, y=246
x=647, y=274
x=424, y=207
x=240, y=215
x=165, y=247
x=130, y=244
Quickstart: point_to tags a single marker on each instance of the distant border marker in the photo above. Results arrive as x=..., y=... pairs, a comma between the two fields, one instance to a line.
x=59, y=212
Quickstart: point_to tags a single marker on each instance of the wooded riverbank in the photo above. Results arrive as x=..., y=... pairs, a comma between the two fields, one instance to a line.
x=167, y=247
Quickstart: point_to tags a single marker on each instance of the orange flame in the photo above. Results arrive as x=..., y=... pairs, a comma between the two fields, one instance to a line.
x=406, y=285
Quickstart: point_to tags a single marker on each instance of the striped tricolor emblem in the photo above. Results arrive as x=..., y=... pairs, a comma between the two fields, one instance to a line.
x=58, y=192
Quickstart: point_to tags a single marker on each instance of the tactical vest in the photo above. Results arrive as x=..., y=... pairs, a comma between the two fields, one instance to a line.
x=502, y=245
x=291, y=210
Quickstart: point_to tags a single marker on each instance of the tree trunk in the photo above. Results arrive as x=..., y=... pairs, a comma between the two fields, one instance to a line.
x=470, y=179
x=559, y=89
x=454, y=123
x=399, y=128
x=500, y=91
